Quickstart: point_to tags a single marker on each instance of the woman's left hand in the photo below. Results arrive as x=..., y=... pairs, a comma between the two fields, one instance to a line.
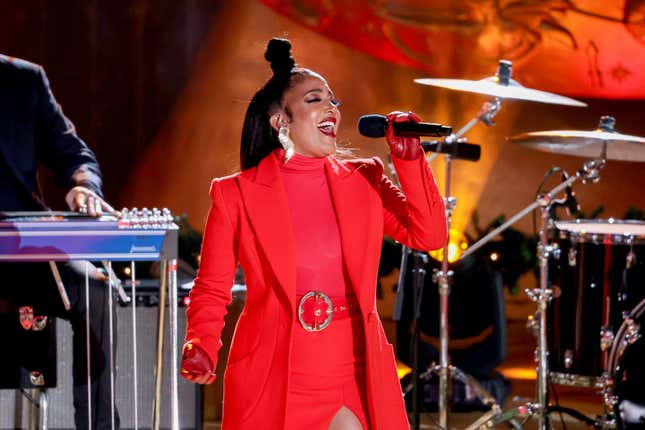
x=196, y=366
x=406, y=148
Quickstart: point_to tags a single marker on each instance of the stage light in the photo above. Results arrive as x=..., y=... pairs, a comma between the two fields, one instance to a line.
x=457, y=244
x=402, y=369
x=519, y=373
x=494, y=256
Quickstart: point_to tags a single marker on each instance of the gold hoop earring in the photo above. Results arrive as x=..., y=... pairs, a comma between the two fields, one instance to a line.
x=286, y=142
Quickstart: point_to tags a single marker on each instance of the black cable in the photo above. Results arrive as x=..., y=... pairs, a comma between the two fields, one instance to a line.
x=523, y=422
x=557, y=405
x=552, y=171
x=30, y=397
x=575, y=414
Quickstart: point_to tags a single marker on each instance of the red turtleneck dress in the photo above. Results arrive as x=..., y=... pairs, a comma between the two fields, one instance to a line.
x=327, y=366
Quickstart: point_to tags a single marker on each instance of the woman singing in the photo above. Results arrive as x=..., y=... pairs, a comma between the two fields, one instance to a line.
x=309, y=351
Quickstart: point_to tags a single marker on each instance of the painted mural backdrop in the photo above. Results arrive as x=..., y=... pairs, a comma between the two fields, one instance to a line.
x=584, y=48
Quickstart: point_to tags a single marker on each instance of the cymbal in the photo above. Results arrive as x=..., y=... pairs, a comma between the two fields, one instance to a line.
x=501, y=85
x=587, y=144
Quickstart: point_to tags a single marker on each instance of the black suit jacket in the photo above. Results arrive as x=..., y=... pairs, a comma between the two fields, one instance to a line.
x=33, y=130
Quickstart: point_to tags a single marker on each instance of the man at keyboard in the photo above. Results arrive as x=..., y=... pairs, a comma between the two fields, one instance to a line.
x=34, y=131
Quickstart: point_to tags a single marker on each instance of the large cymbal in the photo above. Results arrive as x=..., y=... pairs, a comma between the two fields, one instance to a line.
x=501, y=85
x=588, y=144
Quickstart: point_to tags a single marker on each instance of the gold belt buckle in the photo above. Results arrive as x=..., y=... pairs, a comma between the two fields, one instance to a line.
x=316, y=295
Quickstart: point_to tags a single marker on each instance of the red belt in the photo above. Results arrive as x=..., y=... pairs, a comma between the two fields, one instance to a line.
x=316, y=310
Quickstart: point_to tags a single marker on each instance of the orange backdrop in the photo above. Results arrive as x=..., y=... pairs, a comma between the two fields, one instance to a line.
x=200, y=139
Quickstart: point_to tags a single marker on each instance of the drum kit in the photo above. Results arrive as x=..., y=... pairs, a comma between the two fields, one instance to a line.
x=590, y=306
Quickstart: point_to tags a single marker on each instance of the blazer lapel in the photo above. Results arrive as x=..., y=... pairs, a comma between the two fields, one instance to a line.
x=352, y=207
x=266, y=204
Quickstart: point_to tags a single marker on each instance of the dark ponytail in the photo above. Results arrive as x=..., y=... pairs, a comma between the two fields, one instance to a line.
x=258, y=137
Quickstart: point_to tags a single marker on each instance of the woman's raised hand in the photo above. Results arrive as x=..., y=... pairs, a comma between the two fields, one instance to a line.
x=406, y=148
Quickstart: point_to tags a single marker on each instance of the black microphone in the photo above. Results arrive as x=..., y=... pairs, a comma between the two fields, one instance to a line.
x=375, y=126
x=458, y=150
x=571, y=204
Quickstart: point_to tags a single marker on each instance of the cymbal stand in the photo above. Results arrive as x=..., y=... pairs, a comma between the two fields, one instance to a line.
x=444, y=279
x=444, y=276
x=542, y=295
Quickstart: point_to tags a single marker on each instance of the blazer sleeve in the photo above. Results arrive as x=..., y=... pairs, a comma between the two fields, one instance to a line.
x=415, y=216
x=211, y=293
x=57, y=144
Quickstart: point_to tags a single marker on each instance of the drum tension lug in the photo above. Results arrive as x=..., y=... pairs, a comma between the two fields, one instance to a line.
x=546, y=252
x=606, y=338
x=533, y=324
x=536, y=294
x=633, y=332
x=443, y=279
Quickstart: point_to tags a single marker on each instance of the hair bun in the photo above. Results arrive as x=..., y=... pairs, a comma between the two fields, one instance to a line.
x=278, y=53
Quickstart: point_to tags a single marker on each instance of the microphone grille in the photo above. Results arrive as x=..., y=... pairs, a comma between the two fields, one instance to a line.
x=372, y=125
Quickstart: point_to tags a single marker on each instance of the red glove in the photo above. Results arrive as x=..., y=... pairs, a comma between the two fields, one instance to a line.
x=405, y=148
x=196, y=366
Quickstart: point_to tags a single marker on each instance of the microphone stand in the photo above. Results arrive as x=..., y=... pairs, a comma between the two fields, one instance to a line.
x=444, y=280
x=444, y=276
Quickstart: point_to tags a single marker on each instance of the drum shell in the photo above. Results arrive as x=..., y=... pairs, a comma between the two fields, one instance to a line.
x=596, y=285
x=627, y=372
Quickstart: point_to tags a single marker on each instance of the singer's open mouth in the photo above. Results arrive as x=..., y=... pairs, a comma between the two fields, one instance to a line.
x=327, y=126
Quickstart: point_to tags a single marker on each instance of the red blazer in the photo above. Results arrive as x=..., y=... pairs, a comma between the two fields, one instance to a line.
x=249, y=222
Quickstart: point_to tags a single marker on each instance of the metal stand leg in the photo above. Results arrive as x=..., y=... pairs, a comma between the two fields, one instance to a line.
x=174, y=366
x=87, y=346
x=444, y=277
x=36, y=408
x=133, y=280
x=32, y=412
x=42, y=404
x=156, y=402
x=60, y=285
x=544, y=252
x=444, y=363
x=169, y=281
x=111, y=282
